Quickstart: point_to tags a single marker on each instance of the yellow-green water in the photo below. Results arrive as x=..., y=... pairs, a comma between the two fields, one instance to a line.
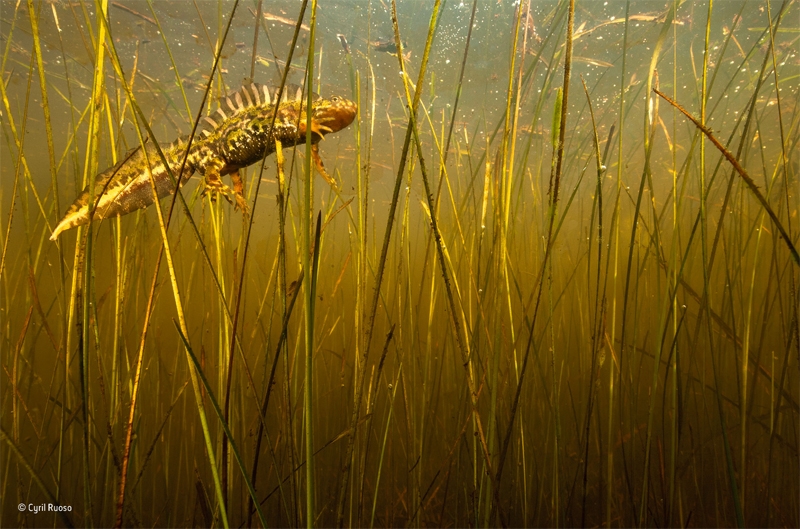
x=627, y=356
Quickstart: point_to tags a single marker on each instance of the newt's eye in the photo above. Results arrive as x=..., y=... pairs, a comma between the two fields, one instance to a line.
x=335, y=99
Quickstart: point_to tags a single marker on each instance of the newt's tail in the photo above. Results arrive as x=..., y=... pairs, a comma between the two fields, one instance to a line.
x=126, y=186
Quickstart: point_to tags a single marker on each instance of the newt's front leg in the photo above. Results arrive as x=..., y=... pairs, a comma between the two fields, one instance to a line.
x=321, y=167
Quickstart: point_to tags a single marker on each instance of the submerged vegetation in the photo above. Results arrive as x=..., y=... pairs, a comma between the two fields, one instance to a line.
x=553, y=280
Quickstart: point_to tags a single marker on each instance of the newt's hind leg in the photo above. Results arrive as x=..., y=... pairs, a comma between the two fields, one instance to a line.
x=238, y=193
x=212, y=183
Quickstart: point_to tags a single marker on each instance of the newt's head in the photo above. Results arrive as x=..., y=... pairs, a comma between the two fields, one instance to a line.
x=330, y=115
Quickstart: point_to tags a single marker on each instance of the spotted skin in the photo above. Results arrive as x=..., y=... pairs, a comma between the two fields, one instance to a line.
x=237, y=135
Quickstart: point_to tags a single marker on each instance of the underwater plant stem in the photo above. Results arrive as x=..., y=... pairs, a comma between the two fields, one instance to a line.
x=362, y=192
x=564, y=108
x=245, y=253
x=310, y=284
x=462, y=347
x=485, y=440
x=255, y=40
x=650, y=120
x=281, y=286
x=707, y=267
x=454, y=113
x=597, y=305
x=37, y=48
x=265, y=403
x=34, y=18
x=192, y=371
x=539, y=285
x=391, y=396
x=648, y=133
x=247, y=239
x=382, y=260
x=672, y=367
x=794, y=331
x=171, y=59
x=504, y=206
x=87, y=260
x=612, y=375
x=137, y=377
x=223, y=423
x=742, y=173
x=702, y=300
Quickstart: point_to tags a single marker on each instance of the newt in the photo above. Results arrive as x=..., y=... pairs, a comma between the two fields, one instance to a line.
x=229, y=140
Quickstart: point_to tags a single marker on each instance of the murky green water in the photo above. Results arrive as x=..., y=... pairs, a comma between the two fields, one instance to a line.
x=606, y=337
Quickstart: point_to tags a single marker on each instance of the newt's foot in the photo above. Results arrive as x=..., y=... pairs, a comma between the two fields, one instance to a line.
x=214, y=188
x=238, y=193
x=241, y=203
